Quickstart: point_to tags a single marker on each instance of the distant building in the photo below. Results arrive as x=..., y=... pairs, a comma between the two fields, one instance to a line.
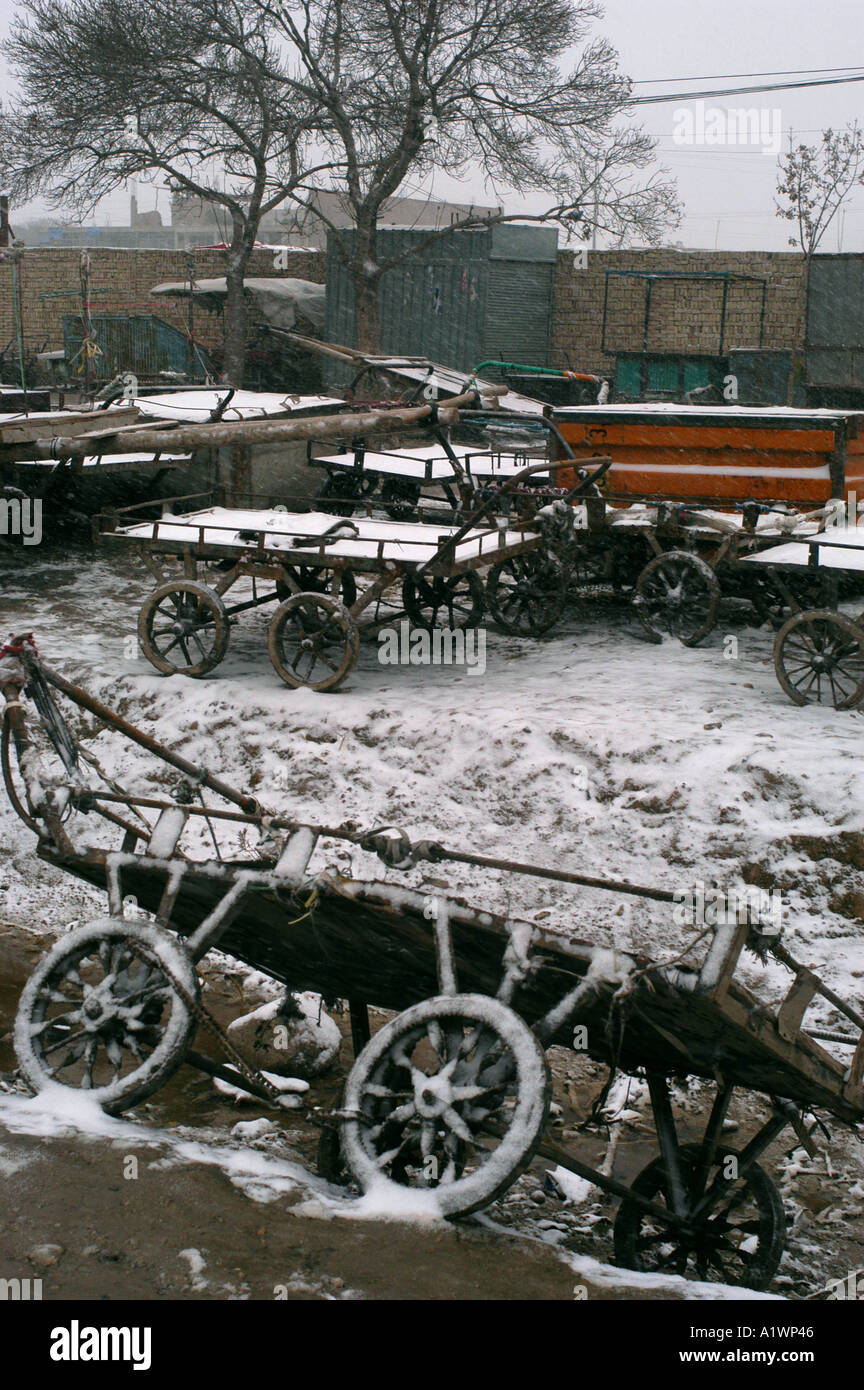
x=290, y=223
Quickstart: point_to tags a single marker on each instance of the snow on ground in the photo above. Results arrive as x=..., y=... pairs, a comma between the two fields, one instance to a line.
x=590, y=749
x=269, y=1177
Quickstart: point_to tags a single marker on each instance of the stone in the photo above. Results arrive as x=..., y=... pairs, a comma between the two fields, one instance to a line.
x=45, y=1255
x=293, y=1036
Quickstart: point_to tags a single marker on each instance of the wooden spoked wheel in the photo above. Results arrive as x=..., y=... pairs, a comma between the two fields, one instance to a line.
x=101, y=1013
x=399, y=498
x=526, y=595
x=313, y=641
x=451, y=1097
x=738, y=1239
x=183, y=628
x=677, y=595
x=436, y=602
x=819, y=659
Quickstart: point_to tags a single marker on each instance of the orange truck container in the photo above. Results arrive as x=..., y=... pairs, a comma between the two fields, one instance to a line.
x=720, y=455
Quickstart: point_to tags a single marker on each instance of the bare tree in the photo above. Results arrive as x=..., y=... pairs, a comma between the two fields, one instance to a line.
x=815, y=180
x=407, y=87
x=813, y=183
x=192, y=91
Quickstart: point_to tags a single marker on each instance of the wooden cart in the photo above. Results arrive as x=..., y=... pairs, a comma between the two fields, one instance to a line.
x=818, y=651
x=324, y=575
x=452, y=1095
x=675, y=563
x=397, y=479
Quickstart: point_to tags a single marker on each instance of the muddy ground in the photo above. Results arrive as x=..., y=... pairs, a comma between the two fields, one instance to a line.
x=92, y=1225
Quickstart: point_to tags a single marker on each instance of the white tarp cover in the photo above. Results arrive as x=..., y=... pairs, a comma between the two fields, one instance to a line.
x=280, y=299
x=196, y=407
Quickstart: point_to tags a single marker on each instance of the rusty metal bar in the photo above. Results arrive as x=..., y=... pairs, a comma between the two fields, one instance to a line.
x=89, y=702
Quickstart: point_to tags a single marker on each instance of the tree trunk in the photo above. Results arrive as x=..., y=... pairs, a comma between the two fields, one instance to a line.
x=366, y=280
x=234, y=363
x=367, y=315
x=798, y=360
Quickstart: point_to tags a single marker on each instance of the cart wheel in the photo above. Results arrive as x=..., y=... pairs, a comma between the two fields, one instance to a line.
x=771, y=604
x=183, y=628
x=454, y=603
x=313, y=641
x=819, y=659
x=452, y=1095
x=53, y=743
x=591, y=574
x=399, y=498
x=317, y=581
x=340, y=493
x=739, y=1240
x=100, y=1013
x=526, y=595
x=677, y=593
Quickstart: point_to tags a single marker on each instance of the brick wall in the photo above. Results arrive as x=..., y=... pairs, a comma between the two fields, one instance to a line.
x=120, y=282
x=685, y=316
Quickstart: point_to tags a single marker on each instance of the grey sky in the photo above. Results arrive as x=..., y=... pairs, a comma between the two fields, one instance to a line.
x=727, y=189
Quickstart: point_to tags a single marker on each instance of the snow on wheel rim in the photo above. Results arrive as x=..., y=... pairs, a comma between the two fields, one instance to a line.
x=313, y=641
x=183, y=620
x=821, y=653
x=684, y=605
x=491, y=1076
x=112, y=1015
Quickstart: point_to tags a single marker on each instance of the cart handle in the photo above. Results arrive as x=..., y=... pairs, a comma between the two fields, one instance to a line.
x=545, y=466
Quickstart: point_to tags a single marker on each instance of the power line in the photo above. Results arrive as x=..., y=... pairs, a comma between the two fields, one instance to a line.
x=741, y=91
x=727, y=76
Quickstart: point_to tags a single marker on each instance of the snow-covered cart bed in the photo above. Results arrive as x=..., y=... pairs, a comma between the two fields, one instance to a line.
x=452, y=1095
x=324, y=575
x=397, y=479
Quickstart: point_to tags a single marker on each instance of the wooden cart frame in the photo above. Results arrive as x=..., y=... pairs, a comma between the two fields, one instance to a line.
x=451, y=1095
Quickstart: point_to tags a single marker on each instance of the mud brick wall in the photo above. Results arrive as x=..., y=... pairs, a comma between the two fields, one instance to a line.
x=120, y=282
x=685, y=315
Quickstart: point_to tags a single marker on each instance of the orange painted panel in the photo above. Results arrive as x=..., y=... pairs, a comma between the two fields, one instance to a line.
x=696, y=436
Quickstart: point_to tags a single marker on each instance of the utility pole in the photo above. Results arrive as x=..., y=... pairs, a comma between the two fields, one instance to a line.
x=4, y=221
x=596, y=205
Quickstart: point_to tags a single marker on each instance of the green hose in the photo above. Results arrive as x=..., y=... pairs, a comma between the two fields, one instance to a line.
x=537, y=371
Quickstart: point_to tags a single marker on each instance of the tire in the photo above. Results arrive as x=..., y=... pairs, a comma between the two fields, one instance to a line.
x=184, y=615
x=414, y=1129
x=133, y=960
x=819, y=659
